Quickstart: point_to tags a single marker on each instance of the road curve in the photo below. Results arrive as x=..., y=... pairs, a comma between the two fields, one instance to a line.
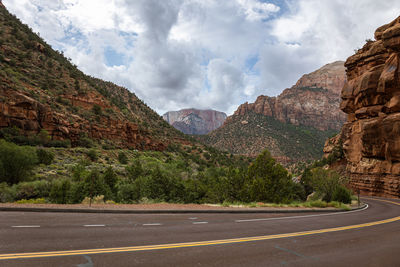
x=370, y=237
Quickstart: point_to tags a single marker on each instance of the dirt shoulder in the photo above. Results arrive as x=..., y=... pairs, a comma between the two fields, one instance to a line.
x=154, y=207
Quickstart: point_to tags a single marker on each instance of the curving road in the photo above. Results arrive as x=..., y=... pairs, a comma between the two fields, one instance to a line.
x=369, y=237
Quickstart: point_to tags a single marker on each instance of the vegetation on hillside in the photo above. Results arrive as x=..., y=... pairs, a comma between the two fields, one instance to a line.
x=30, y=66
x=181, y=175
x=252, y=133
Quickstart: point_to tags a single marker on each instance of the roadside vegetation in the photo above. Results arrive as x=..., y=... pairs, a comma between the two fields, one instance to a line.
x=182, y=174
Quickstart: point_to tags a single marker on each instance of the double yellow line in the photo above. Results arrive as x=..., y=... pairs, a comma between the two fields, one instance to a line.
x=193, y=244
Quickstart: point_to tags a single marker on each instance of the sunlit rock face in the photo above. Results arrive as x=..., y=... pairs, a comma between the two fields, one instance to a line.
x=313, y=101
x=371, y=98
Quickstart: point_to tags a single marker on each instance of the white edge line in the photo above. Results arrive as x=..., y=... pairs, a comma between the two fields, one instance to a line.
x=25, y=226
x=151, y=224
x=302, y=216
x=200, y=222
x=94, y=225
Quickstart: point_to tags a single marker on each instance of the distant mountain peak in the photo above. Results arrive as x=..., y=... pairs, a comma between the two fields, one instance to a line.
x=195, y=121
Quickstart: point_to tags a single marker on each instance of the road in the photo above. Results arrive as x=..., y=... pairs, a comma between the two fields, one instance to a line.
x=369, y=237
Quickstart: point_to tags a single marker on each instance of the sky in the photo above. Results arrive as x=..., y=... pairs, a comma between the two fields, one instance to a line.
x=216, y=54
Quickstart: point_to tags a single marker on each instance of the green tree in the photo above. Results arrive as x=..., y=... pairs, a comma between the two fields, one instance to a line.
x=268, y=181
x=110, y=178
x=134, y=170
x=59, y=192
x=16, y=162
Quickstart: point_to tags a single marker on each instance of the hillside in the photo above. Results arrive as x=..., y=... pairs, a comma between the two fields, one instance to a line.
x=195, y=121
x=251, y=133
x=293, y=125
x=40, y=89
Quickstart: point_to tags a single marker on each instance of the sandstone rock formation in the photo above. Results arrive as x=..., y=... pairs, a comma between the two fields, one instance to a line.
x=31, y=117
x=194, y=121
x=371, y=98
x=313, y=101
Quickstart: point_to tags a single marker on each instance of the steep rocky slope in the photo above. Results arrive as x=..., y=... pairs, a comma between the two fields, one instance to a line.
x=41, y=90
x=194, y=121
x=313, y=101
x=293, y=125
x=371, y=98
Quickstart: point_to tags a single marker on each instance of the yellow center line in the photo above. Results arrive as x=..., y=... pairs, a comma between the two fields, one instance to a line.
x=194, y=244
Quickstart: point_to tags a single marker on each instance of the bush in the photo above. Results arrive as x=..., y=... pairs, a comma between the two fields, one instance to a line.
x=92, y=155
x=110, y=178
x=44, y=156
x=60, y=191
x=97, y=110
x=134, y=170
x=7, y=193
x=32, y=201
x=342, y=194
x=326, y=182
x=122, y=158
x=128, y=192
x=85, y=141
x=15, y=162
x=94, y=185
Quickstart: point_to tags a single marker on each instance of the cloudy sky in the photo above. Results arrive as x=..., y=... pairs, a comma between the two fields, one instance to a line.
x=215, y=54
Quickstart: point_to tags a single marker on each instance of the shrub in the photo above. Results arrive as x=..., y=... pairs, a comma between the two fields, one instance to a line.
x=44, y=137
x=134, y=170
x=94, y=185
x=35, y=189
x=32, y=201
x=92, y=155
x=110, y=177
x=97, y=110
x=326, y=182
x=342, y=194
x=60, y=191
x=128, y=192
x=44, y=156
x=15, y=162
x=122, y=158
x=7, y=193
x=85, y=141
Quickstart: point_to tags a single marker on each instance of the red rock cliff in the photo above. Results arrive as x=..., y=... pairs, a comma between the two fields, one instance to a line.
x=371, y=98
x=313, y=101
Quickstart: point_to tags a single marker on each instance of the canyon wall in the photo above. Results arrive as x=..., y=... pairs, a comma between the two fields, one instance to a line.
x=371, y=98
x=313, y=101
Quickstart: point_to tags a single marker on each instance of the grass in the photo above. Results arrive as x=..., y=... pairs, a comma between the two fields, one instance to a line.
x=307, y=204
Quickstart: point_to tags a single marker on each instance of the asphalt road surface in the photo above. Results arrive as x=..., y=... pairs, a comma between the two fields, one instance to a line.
x=369, y=237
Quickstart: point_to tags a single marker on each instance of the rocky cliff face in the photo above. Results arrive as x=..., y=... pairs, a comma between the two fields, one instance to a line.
x=194, y=121
x=313, y=101
x=292, y=126
x=371, y=98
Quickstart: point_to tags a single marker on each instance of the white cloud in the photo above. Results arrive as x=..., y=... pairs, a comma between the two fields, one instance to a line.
x=256, y=10
x=204, y=53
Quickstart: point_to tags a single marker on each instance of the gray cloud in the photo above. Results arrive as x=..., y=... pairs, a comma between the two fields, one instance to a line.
x=204, y=53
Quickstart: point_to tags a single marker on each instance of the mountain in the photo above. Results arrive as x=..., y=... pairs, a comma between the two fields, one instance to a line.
x=370, y=138
x=40, y=90
x=293, y=125
x=195, y=121
x=313, y=101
